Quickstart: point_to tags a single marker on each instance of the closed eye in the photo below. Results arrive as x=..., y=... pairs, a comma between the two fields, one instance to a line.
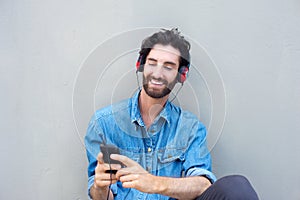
x=152, y=62
x=167, y=67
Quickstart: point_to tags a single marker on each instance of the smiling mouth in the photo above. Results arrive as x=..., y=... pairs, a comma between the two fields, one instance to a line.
x=156, y=82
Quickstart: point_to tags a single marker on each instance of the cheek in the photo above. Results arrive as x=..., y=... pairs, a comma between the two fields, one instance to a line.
x=146, y=71
x=172, y=77
x=145, y=76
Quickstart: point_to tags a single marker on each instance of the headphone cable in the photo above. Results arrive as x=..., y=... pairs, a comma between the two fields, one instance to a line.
x=176, y=93
x=110, y=172
x=137, y=79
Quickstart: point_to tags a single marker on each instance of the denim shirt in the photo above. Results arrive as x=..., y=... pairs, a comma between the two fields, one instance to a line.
x=173, y=146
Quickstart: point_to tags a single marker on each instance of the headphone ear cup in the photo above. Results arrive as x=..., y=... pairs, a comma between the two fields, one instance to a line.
x=182, y=74
x=140, y=64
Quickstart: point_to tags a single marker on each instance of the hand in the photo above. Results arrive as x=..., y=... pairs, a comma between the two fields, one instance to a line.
x=134, y=175
x=103, y=179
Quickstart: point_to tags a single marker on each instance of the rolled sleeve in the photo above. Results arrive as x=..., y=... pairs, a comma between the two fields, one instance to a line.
x=197, y=157
x=201, y=172
x=92, y=144
x=90, y=184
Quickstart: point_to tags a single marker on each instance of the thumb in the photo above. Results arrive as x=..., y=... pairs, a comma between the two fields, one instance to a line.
x=100, y=158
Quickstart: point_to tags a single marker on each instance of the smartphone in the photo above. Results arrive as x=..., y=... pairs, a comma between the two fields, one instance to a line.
x=106, y=150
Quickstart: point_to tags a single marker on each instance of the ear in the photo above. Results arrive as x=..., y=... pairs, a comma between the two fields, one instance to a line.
x=140, y=63
x=182, y=74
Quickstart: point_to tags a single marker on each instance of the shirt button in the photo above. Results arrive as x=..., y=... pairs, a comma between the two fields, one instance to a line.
x=152, y=131
x=149, y=149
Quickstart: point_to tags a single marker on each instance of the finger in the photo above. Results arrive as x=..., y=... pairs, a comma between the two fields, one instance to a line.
x=113, y=166
x=122, y=172
x=126, y=171
x=129, y=184
x=100, y=158
x=123, y=159
x=128, y=178
x=102, y=176
x=129, y=181
x=105, y=177
x=107, y=167
x=101, y=183
x=102, y=168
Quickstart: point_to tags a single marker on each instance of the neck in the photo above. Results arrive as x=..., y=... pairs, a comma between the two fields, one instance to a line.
x=150, y=107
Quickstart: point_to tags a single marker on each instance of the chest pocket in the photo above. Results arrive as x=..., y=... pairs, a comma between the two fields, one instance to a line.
x=170, y=162
x=170, y=154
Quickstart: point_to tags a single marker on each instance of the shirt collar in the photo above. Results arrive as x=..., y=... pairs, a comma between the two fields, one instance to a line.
x=136, y=114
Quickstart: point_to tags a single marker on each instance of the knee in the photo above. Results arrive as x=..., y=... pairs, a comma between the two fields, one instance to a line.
x=236, y=187
x=234, y=180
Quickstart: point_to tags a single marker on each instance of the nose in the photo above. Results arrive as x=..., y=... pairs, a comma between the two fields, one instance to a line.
x=157, y=71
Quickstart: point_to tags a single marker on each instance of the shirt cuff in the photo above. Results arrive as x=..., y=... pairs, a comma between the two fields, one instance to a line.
x=201, y=172
x=90, y=184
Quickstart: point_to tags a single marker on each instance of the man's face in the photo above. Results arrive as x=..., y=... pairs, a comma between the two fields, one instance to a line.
x=160, y=70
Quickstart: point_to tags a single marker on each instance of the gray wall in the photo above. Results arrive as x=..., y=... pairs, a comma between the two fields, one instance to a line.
x=56, y=57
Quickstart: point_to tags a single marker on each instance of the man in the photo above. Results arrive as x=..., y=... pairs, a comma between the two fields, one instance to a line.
x=162, y=147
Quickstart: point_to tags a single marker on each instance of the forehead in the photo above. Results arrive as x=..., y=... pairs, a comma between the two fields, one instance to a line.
x=164, y=53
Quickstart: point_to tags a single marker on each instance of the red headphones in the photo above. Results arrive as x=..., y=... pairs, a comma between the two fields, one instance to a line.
x=182, y=71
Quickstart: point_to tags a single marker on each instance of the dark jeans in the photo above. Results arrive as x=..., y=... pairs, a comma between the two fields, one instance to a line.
x=234, y=187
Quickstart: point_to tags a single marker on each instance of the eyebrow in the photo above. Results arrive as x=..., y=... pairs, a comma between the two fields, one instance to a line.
x=165, y=63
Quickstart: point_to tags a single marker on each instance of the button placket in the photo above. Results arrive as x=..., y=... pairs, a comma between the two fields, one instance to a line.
x=149, y=156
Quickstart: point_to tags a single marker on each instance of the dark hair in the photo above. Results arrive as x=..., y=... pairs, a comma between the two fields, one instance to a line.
x=167, y=37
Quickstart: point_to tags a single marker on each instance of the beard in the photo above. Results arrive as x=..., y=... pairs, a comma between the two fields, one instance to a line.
x=158, y=93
